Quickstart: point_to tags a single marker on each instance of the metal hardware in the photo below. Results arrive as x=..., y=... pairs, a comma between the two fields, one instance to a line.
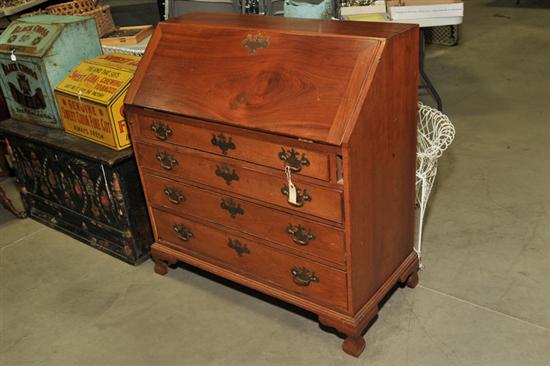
x=161, y=130
x=174, y=195
x=225, y=173
x=303, y=276
x=167, y=161
x=291, y=159
x=300, y=198
x=224, y=144
x=254, y=42
x=299, y=234
x=239, y=248
x=232, y=207
x=183, y=232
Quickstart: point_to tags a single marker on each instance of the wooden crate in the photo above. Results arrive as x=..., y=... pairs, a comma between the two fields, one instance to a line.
x=127, y=35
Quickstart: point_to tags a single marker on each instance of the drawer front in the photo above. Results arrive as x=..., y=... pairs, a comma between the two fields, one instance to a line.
x=292, y=273
x=306, y=162
x=220, y=173
x=298, y=234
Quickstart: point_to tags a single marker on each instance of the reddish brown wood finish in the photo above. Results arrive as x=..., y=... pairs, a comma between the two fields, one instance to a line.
x=251, y=182
x=248, y=217
x=350, y=88
x=299, y=96
x=266, y=264
x=380, y=174
x=242, y=148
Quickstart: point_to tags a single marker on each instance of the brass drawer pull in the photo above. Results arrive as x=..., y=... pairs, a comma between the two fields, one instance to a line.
x=303, y=276
x=161, y=130
x=291, y=159
x=232, y=207
x=167, y=161
x=299, y=234
x=221, y=142
x=239, y=248
x=174, y=195
x=225, y=173
x=183, y=232
x=301, y=198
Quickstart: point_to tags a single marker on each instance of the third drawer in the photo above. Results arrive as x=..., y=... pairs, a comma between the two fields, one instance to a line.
x=298, y=234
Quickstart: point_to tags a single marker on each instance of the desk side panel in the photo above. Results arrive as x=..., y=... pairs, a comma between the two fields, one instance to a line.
x=379, y=171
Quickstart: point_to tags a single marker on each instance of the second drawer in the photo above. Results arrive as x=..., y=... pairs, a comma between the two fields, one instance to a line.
x=241, y=178
x=296, y=233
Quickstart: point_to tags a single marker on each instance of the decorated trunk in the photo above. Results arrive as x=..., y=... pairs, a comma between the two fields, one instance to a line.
x=35, y=54
x=82, y=189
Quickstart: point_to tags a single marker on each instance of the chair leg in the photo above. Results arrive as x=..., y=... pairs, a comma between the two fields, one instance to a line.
x=425, y=190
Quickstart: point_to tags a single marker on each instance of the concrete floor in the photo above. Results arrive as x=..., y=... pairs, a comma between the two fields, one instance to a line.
x=483, y=299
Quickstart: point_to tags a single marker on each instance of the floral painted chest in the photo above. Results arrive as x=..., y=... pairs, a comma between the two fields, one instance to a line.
x=85, y=190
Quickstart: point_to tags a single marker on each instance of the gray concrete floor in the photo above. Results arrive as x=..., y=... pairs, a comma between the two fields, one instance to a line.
x=484, y=296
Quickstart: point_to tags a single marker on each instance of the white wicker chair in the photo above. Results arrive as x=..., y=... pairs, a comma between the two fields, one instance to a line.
x=435, y=134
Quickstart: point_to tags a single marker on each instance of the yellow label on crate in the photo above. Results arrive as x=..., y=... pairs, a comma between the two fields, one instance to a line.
x=121, y=129
x=118, y=61
x=86, y=119
x=91, y=99
x=95, y=82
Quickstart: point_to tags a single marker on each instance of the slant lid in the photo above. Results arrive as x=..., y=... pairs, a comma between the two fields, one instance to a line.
x=292, y=77
x=33, y=36
x=101, y=78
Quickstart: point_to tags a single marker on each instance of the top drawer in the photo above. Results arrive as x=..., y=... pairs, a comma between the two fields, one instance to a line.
x=175, y=130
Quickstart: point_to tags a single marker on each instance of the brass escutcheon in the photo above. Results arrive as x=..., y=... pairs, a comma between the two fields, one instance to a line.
x=232, y=207
x=291, y=159
x=183, y=232
x=226, y=173
x=223, y=143
x=301, y=198
x=161, y=130
x=174, y=195
x=254, y=42
x=239, y=248
x=303, y=276
x=166, y=160
x=299, y=234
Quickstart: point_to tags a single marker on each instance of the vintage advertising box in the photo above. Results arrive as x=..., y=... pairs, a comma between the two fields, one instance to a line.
x=35, y=54
x=91, y=99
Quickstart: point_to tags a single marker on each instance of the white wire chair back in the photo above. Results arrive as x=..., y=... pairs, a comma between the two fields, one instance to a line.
x=435, y=133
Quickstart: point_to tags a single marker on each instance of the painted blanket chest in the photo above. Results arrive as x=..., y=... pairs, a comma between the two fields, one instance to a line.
x=280, y=154
x=82, y=189
x=35, y=54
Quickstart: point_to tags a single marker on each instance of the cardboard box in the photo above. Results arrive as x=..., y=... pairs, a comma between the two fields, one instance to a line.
x=414, y=10
x=91, y=99
x=35, y=54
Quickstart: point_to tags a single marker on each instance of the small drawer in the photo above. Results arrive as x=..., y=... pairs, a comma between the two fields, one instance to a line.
x=303, y=236
x=292, y=273
x=175, y=131
x=224, y=174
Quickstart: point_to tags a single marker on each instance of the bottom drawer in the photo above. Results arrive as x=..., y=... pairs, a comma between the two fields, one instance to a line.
x=294, y=274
